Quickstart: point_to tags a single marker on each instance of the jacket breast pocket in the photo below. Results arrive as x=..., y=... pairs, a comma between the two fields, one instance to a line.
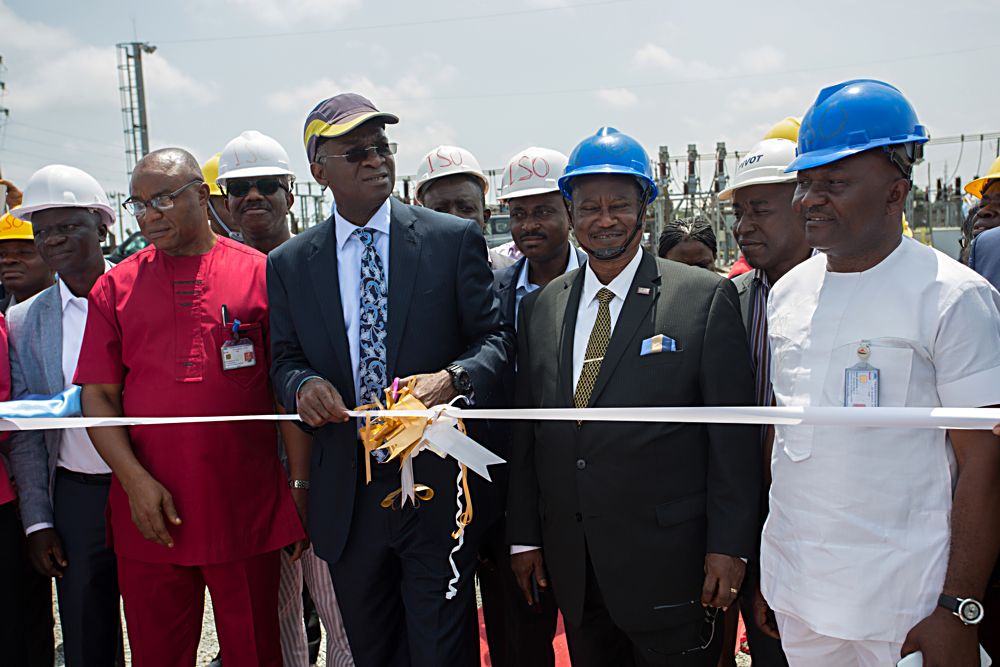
x=249, y=375
x=893, y=357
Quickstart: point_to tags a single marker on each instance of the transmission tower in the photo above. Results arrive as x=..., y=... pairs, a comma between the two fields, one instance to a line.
x=133, y=97
x=4, y=111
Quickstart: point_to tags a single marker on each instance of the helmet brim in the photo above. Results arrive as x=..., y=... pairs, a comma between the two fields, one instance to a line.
x=25, y=212
x=249, y=172
x=727, y=194
x=977, y=187
x=824, y=156
x=601, y=169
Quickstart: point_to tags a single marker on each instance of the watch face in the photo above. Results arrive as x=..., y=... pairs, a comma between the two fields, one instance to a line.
x=970, y=611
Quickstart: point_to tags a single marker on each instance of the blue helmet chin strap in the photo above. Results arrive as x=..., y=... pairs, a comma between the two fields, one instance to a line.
x=608, y=254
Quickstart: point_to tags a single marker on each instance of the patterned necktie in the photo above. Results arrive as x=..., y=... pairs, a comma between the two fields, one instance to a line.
x=596, y=347
x=371, y=338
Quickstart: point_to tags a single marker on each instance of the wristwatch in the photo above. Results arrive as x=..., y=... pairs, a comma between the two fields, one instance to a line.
x=298, y=483
x=969, y=610
x=460, y=379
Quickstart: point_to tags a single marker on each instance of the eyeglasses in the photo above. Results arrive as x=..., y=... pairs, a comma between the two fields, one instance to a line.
x=358, y=154
x=137, y=207
x=706, y=635
x=265, y=186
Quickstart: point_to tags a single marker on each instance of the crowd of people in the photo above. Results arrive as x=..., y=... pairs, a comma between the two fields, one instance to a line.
x=839, y=545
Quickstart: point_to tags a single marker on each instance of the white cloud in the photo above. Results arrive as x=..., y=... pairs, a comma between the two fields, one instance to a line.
x=290, y=13
x=621, y=98
x=761, y=60
x=163, y=79
x=654, y=56
x=783, y=101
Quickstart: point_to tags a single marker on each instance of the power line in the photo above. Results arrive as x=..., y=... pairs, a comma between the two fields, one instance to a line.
x=400, y=24
x=46, y=130
x=90, y=151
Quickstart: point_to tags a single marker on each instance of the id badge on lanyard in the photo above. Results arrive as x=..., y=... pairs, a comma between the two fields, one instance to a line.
x=237, y=352
x=861, y=381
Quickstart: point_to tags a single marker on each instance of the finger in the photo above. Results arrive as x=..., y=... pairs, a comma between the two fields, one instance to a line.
x=339, y=411
x=723, y=597
x=524, y=583
x=539, y=573
x=770, y=628
x=170, y=511
x=309, y=414
x=910, y=645
x=296, y=552
x=57, y=554
x=708, y=589
x=43, y=564
x=159, y=529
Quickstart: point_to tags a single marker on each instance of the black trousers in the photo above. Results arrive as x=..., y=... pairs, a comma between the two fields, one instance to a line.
x=764, y=651
x=518, y=634
x=598, y=642
x=89, y=601
x=391, y=582
x=26, y=621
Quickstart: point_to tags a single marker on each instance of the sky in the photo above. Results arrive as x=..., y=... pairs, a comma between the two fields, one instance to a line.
x=493, y=77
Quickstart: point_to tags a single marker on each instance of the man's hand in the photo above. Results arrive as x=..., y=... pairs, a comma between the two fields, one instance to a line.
x=944, y=640
x=14, y=196
x=320, y=403
x=526, y=565
x=432, y=388
x=763, y=616
x=723, y=578
x=45, y=552
x=150, y=502
x=301, y=499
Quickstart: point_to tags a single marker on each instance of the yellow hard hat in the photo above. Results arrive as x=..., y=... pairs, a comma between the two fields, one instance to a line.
x=785, y=129
x=976, y=187
x=15, y=229
x=906, y=228
x=210, y=172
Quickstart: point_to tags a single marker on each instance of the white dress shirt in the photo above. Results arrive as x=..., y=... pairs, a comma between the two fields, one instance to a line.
x=524, y=287
x=586, y=316
x=856, y=542
x=349, y=252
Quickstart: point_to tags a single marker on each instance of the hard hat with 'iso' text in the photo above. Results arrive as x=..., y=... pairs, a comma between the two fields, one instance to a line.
x=448, y=161
x=533, y=171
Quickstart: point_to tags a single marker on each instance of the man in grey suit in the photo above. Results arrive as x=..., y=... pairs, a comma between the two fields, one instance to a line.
x=772, y=237
x=62, y=481
x=383, y=290
x=644, y=528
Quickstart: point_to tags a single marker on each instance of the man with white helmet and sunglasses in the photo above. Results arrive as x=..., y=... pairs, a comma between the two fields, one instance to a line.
x=450, y=180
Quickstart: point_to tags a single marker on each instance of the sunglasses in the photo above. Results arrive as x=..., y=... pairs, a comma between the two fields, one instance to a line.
x=265, y=186
x=358, y=154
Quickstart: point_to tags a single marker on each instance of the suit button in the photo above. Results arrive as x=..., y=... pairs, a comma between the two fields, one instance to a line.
x=579, y=517
x=580, y=464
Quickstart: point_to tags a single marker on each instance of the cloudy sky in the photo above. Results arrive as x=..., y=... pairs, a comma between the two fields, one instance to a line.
x=491, y=76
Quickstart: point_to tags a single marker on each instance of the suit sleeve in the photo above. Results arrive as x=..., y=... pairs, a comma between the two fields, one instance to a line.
x=289, y=367
x=734, y=454
x=29, y=459
x=972, y=255
x=491, y=342
x=524, y=524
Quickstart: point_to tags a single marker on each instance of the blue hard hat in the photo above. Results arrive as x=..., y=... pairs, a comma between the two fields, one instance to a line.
x=852, y=117
x=609, y=152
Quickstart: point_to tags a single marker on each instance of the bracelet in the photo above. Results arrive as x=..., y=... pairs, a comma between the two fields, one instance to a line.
x=298, y=483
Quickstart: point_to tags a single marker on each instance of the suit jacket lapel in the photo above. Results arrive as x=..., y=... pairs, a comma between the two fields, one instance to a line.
x=51, y=336
x=633, y=313
x=567, y=304
x=404, y=258
x=323, y=268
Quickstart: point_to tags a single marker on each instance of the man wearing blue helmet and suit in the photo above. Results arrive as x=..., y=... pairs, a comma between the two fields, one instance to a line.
x=879, y=542
x=643, y=528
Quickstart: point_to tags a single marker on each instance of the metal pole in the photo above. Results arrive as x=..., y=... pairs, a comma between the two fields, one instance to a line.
x=140, y=90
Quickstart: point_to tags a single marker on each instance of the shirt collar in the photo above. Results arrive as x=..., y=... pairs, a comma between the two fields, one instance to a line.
x=66, y=296
x=760, y=276
x=379, y=222
x=522, y=278
x=619, y=285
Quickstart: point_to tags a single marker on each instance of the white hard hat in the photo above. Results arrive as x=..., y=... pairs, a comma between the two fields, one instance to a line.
x=252, y=154
x=61, y=186
x=765, y=163
x=448, y=161
x=533, y=171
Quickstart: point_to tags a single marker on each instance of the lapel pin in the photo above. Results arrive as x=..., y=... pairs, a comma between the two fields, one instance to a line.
x=642, y=290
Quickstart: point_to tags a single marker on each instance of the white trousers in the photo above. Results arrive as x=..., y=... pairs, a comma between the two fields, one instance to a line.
x=805, y=648
x=316, y=574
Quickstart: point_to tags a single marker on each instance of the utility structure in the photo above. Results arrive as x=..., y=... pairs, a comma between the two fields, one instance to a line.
x=132, y=90
x=4, y=111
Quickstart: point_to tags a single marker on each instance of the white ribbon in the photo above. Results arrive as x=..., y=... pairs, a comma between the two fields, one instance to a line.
x=955, y=418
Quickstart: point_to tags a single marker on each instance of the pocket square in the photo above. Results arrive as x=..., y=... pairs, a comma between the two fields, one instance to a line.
x=656, y=344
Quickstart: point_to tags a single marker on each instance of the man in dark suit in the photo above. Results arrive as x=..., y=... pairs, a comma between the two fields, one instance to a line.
x=645, y=528
x=519, y=631
x=381, y=290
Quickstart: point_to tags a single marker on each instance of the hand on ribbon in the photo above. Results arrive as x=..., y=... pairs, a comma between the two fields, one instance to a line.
x=320, y=403
x=431, y=388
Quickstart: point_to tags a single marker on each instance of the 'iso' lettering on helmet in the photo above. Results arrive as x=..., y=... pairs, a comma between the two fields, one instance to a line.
x=445, y=159
x=537, y=167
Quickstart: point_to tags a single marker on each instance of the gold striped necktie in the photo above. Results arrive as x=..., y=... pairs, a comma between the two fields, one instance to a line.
x=596, y=347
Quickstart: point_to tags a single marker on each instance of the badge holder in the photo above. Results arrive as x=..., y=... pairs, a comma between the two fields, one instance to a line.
x=238, y=352
x=861, y=381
